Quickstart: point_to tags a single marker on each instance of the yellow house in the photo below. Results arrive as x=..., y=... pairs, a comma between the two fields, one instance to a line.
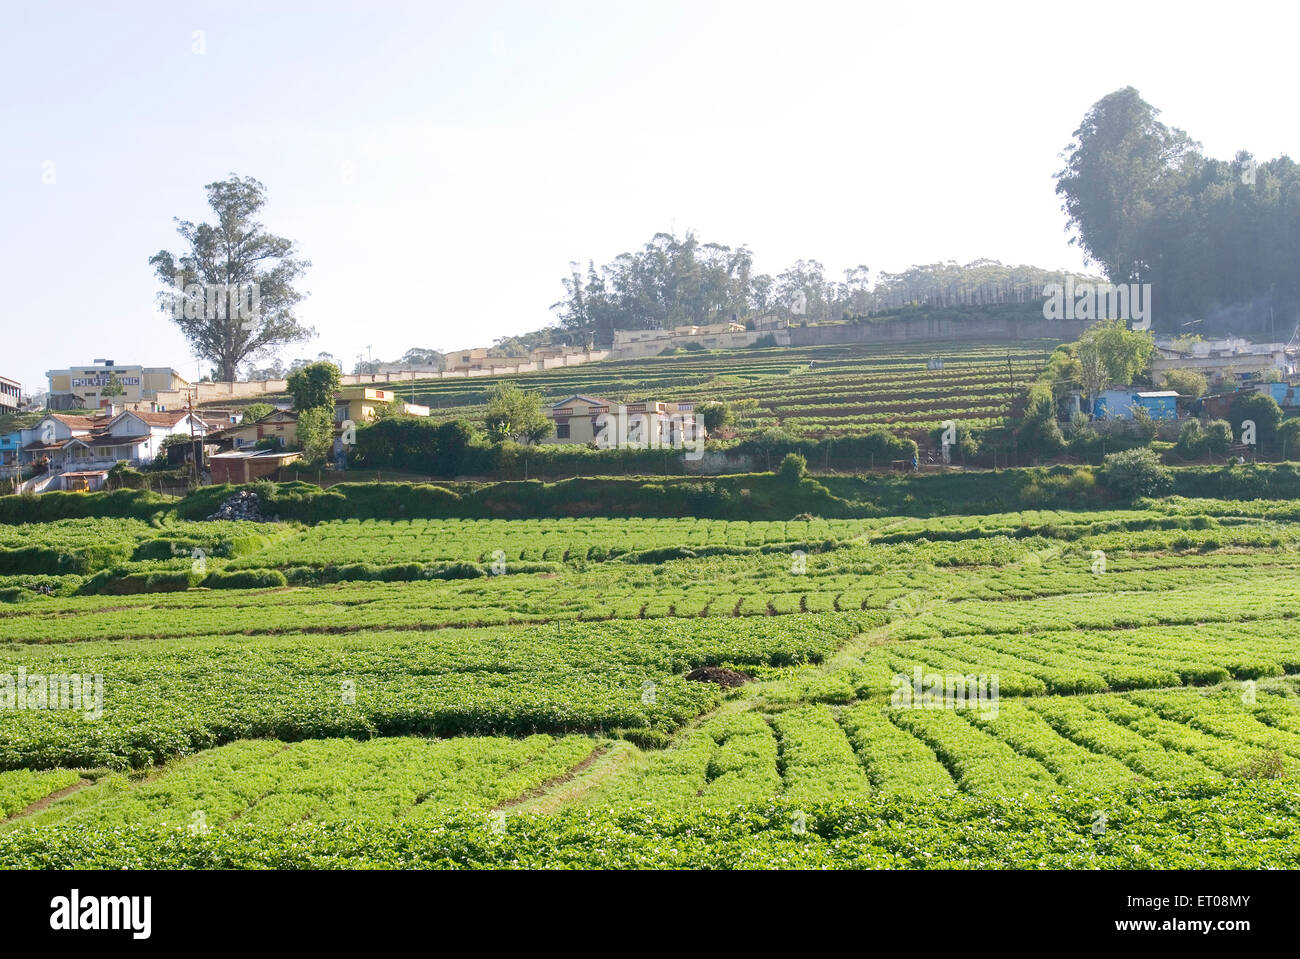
x=361, y=403
x=576, y=418
x=278, y=424
x=648, y=423
x=83, y=386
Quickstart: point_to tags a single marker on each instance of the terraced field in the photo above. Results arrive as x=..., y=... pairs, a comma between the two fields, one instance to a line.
x=1129, y=667
x=812, y=391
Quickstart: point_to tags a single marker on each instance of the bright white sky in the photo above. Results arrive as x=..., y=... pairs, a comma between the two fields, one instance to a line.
x=441, y=163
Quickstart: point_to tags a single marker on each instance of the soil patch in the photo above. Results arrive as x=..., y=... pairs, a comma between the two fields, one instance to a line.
x=726, y=678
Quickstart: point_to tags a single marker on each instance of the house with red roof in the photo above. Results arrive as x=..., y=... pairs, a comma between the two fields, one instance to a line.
x=80, y=443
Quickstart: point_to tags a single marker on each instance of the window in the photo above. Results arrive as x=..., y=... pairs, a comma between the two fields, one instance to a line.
x=562, y=431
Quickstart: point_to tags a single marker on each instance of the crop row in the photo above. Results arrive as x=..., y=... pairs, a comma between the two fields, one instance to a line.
x=176, y=696
x=272, y=783
x=1226, y=824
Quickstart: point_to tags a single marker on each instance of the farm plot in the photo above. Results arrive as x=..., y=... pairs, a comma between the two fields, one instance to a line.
x=297, y=720
x=175, y=696
x=270, y=783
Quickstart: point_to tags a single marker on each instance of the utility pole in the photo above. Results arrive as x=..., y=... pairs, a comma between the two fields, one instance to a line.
x=196, y=449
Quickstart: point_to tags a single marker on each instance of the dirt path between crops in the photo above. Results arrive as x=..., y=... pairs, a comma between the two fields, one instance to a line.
x=51, y=799
x=555, y=781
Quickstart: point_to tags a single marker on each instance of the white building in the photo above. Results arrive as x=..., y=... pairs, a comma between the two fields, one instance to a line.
x=11, y=394
x=93, y=442
x=1231, y=357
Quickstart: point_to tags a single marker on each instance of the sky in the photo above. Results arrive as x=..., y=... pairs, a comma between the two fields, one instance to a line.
x=441, y=163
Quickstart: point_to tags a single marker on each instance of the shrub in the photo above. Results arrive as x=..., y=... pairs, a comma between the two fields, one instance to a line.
x=256, y=411
x=714, y=415
x=246, y=579
x=1186, y=383
x=792, y=468
x=1146, y=426
x=1039, y=432
x=1191, y=441
x=114, y=582
x=1136, y=472
x=1266, y=765
x=1288, y=435
x=1263, y=410
x=313, y=387
x=1218, y=437
x=645, y=738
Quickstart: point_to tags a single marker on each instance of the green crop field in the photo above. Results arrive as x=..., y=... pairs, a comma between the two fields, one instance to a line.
x=811, y=391
x=1114, y=688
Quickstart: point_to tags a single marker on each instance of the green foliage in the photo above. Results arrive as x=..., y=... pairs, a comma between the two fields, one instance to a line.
x=1187, y=383
x=114, y=386
x=313, y=387
x=1039, y=432
x=1288, y=437
x=316, y=432
x=1191, y=441
x=419, y=444
x=1136, y=472
x=1149, y=826
x=256, y=411
x=714, y=415
x=258, y=272
x=1218, y=437
x=1124, y=354
x=514, y=414
x=1195, y=441
x=245, y=579
x=1146, y=426
x=1263, y=410
x=1146, y=202
x=792, y=468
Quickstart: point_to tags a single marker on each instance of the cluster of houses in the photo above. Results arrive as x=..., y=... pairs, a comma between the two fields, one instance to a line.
x=133, y=423
x=731, y=335
x=1248, y=367
x=75, y=451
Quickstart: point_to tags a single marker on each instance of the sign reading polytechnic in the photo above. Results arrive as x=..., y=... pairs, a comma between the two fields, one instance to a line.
x=104, y=380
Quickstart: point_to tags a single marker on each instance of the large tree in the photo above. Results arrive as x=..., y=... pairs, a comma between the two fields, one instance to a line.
x=232, y=290
x=1218, y=240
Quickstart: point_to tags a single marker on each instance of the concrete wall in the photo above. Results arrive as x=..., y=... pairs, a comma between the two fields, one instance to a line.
x=717, y=462
x=710, y=341
x=216, y=392
x=903, y=331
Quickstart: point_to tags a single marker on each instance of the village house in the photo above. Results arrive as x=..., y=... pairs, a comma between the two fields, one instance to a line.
x=11, y=445
x=361, y=404
x=578, y=419
x=1119, y=403
x=249, y=465
x=81, y=442
x=278, y=425
x=633, y=344
x=1229, y=358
